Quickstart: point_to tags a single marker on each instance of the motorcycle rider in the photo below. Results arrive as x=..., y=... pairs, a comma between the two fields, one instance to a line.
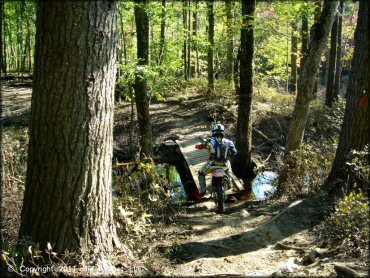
x=220, y=149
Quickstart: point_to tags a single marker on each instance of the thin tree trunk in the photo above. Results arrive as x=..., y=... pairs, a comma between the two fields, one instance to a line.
x=230, y=40
x=304, y=34
x=211, y=26
x=162, y=36
x=185, y=21
x=3, y=36
x=355, y=130
x=236, y=73
x=68, y=198
x=19, y=38
x=332, y=61
x=293, y=60
x=189, y=39
x=195, y=70
x=23, y=48
x=243, y=166
x=338, y=67
x=28, y=51
x=141, y=90
x=318, y=4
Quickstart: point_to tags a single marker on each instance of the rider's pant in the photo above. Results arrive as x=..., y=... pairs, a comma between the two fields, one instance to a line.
x=206, y=169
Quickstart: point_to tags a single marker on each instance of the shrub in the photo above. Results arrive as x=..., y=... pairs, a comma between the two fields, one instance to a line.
x=347, y=228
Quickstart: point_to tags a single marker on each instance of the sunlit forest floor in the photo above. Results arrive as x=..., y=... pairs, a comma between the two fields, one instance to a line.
x=253, y=238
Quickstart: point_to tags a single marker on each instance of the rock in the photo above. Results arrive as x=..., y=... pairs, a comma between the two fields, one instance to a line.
x=313, y=255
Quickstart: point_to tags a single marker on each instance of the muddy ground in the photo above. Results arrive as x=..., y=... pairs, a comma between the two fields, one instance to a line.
x=253, y=238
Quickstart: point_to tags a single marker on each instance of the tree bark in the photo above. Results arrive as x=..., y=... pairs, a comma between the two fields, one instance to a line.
x=332, y=61
x=195, y=35
x=293, y=60
x=68, y=198
x=318, y=6
x=162, y=36
x=355, y=130
x=243, y=165
x=3, y=38
x=185, y=22
x=189, y=39
x=211, y=32
x=230, y=40
x=304, y=34
x=141, y=90
x=338, y=68
x=306, y=81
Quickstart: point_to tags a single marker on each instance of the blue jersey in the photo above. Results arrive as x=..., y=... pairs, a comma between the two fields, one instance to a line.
x=220, y=150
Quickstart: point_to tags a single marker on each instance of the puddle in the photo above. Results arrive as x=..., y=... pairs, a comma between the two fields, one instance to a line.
x=262, y=185
x=177, y=190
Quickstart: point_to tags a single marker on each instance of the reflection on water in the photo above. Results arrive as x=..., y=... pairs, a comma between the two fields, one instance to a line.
x=173, y=178
x=262, y=185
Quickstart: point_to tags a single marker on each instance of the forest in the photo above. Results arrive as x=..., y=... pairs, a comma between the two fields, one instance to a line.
x=185, y=138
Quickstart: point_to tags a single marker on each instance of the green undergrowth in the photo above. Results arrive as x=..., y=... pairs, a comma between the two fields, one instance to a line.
x=143, y=206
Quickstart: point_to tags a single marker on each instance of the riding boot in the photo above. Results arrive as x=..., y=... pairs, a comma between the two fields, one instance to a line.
x=202, y=183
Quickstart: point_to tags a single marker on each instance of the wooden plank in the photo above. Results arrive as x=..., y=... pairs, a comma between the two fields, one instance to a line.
x=195, y=160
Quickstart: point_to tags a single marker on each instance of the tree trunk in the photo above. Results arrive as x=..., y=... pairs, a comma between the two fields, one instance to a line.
x=318, y=4
x=230, y=40
x=338, y=67
x=306, y=81
x=304, y=34
x=195, y=35
x=236, y=73
x=162, y=36
x=293, y=60
x=332, y=61
x=355, y=129
x=68, y=198
x=3, y=38
x=141, y=90
x=189, y=39
x=243, y=165
x=27, y=50
x=185, y=21
x=211, y=32
x=195, y=65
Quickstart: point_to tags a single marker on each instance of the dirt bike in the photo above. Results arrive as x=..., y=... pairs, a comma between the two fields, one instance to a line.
x=219, y=181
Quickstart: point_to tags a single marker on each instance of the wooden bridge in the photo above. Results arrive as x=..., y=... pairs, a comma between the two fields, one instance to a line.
x=196, y=158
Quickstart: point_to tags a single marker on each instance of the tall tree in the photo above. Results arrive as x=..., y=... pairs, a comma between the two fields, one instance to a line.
x=332, y=62
x=211, y=34
x=68, y=198
x=318, y=6
x=293, y=59
x=304, y=35
x=355, y=132
x=185, y=31
x=230, y=40
x=141, y=90
x=243, y=166
x=338, y=68
x=195, y=36
x=3, y=39
x=163, y=35
x=195, y=65
x=306, y=82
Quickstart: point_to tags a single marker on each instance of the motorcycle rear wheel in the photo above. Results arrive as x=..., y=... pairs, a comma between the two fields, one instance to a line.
x=220, y=197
